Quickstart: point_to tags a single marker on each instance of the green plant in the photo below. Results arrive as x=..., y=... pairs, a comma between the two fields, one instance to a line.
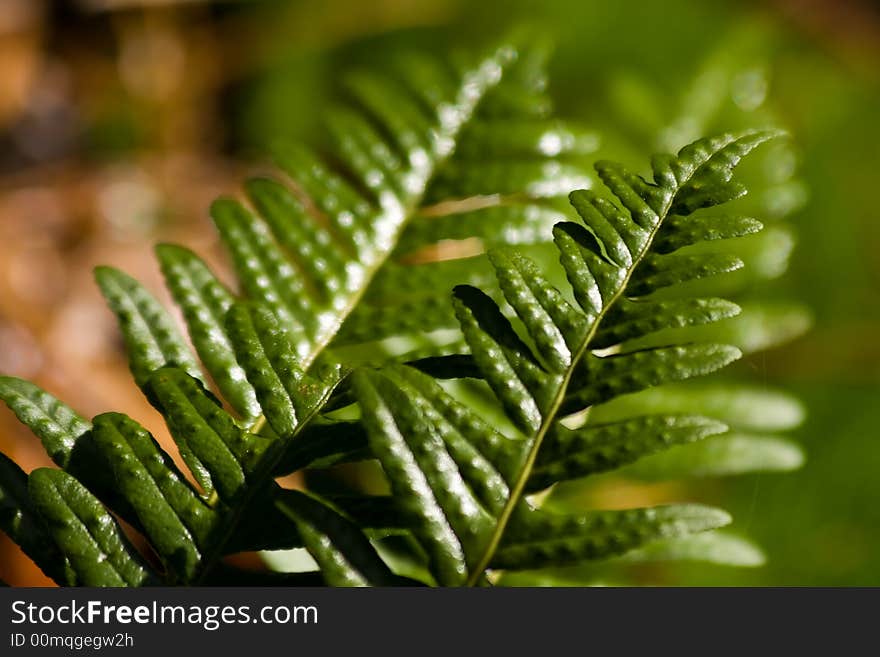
x=334, y=271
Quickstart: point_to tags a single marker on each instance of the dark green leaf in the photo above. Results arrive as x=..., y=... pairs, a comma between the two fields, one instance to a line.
x=56, y=425
x=568, y=454
x=175, y=519
x=151, y=339
x=343, y=552
x=204, y=301
x=221, y=454
x=98, y=551
x=21, y=522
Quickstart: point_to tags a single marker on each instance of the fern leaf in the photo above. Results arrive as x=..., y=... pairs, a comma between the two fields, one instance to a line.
x=175, y=519
x=67, y=438
x=20, y=520
x=343, y=552
x=205, y=301
x=682, y=232
x=548, y=368
x=636, y=319
x=538, y=539
x=615, y=375
x=263, y=271
x=449, y=489
x=89, y=537
x=311, y=270
x=309, y=253
x=220, y=453
x=288, y=397
x=730, y=454
x=57, y=425
x=502, y=185
x=151, y=339
x=570, y=454
x=442, y=150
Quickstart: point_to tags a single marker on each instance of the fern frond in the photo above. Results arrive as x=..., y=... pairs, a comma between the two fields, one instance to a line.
x=310, y=251
x=538, y=539
x=594, y=448
x=67, y=438
x=462, y=481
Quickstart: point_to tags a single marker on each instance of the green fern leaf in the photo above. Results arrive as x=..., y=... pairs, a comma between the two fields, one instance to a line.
x=343, y=552
x=503, y=185
x=66, y=437
x=442, y=150
x=538, y=539
x=57, y=425
x=20, y=520
x=308, y=255
x=448, y=489
x=570, y=454
x=288, y=396
x=88, y=536
x=151, y=339
x=312, y=270
x=730, y=454
x=220, y=453
x=175, y=519
x=205, y=301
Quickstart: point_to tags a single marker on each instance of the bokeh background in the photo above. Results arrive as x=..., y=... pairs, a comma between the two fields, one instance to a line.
x=120, y=120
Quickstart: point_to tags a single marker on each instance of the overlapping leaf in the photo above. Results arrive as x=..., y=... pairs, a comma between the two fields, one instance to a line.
x=90, y=539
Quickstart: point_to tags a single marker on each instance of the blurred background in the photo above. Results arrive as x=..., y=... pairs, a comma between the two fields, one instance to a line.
x=120, y=120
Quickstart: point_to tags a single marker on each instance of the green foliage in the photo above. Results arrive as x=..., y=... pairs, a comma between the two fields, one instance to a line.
x=325, y=355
